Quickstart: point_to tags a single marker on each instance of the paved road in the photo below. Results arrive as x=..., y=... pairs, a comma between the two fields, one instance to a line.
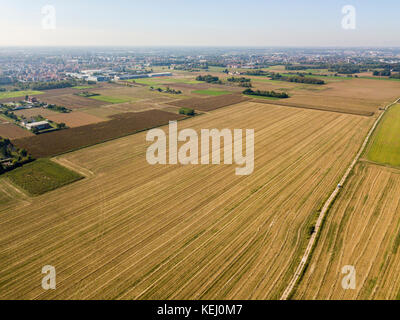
x=325, y=209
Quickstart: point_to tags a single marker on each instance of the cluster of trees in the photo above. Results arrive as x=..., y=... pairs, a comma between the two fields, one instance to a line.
x=272, y=94
x=243, y=82
x=241, y=79
x=257, y=73
x=383, y=73
x=48, y=85
x=297, y=79
x=168, y=90
x=209, y=79
x=58, y=108
x=10, y=115
x=12, y=156
x=87, y=94
x=348, y=68
x=187, y=111
x=303, y=67
x=395, y=76
x=61, y=126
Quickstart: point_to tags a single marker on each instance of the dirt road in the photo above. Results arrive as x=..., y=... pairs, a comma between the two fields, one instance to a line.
x=300, y=269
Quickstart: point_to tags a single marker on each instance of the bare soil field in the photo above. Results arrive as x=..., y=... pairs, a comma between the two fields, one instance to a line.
x=72, y=101
x=208, y=104
x=12, y=131
x=138, y=107
x=379, y=91
x=361, y=230
x=34, y=112
x=106, y=112
x=64, y=91
x=102, y=112
x=54, y=143
x=135, y=231
x=189, y=87
x=355, y=96
x=58, y=92
x=74, y=119
x=138, y=93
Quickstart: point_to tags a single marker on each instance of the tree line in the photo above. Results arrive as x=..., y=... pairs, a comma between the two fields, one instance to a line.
x=48, y=85
x=243, y=82
x=297, y=79
x=272, y=94
x=209, y=79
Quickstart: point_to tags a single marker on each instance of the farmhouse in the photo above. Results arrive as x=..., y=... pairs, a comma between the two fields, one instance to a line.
x=40, y=125
x=161, y=74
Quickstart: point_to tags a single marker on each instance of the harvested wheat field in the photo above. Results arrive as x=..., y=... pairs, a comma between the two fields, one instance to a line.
x=353, y=96
x=209, y=104
x=133, y=93
x=362, y=108
x=74, y=119
x=361, y=230
x=72, y=101
x=34, y=112
x=135, y=231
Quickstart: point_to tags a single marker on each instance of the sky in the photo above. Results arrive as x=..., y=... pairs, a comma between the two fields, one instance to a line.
x=251, y=23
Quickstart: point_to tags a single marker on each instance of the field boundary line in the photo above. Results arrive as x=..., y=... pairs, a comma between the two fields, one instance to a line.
x=318, y=108
x=73, y=166
x=327, y=205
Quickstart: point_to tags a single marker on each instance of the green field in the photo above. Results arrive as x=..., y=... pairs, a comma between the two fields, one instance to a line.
x=330, y=77
x=380, y=78
x=211, y=92
x=41, y=176
x=112, y=100
x=16, y=94
x=83, y=87
x=385, y=146
x=261, y=97
x=161, y=81
x=216, y=69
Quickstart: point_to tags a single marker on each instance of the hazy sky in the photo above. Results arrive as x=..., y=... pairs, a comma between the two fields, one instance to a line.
x=200, y=23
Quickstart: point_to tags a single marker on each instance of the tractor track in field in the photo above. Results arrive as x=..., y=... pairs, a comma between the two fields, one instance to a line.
x=325, y=209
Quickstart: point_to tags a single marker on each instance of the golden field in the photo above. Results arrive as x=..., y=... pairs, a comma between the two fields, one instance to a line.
x=362, y=230
x=135, y=231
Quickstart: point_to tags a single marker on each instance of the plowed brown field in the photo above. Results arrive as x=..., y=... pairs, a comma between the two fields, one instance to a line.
x=57, y=142
x=12, y=131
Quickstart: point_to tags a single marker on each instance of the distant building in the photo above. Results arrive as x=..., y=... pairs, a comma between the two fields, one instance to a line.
x=162, y=74
x=32, y=99
x=40, y=125
x=141, y=76
x=98, y=78
x=5, y=80
x=132, y=76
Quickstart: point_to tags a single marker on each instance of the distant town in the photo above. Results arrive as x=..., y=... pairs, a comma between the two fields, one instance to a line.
x=41, y=65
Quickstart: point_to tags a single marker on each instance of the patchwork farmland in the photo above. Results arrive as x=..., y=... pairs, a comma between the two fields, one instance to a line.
x=116, y=227
x=47, y=145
